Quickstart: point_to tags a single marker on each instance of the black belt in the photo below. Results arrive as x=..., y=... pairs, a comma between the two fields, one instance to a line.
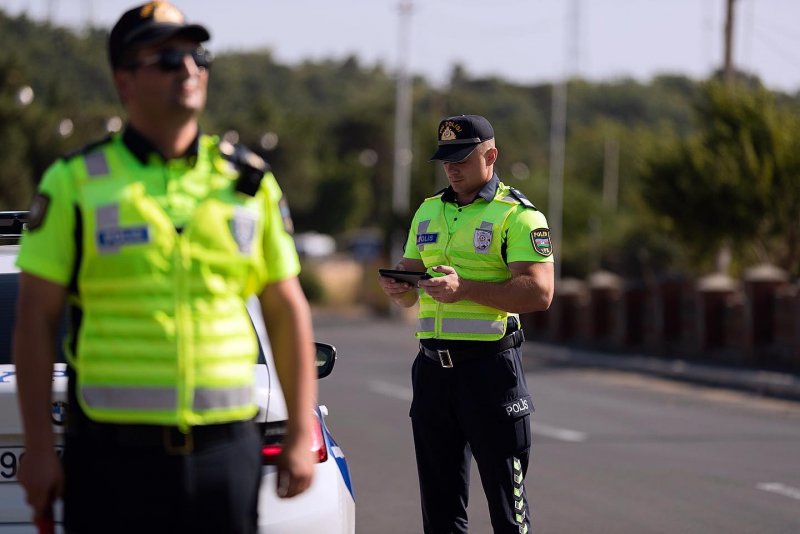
x=169, y=439
x=450, y=356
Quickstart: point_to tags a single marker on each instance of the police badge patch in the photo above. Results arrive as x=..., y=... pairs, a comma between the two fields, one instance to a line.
x=243, y=228
x=540, y=238
x=482, y=240
x=38, y=211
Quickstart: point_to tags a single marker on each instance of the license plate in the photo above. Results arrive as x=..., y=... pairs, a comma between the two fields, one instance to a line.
x=10, y=458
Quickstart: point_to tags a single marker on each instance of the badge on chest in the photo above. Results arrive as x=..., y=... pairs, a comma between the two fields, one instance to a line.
x=482, y=238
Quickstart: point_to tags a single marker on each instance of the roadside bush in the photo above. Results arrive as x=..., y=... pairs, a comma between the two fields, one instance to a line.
x=311, y=284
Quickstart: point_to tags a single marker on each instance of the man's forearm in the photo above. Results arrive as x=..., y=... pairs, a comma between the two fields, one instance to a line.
x=517, y=295
x=294, y=362
x=291, y=339
x=33, y=355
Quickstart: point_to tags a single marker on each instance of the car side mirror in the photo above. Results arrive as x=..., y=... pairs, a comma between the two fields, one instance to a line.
x=325, y=358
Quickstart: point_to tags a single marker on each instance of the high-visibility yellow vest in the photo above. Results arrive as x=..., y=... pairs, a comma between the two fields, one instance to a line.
x=165, y=337
x=474, y=250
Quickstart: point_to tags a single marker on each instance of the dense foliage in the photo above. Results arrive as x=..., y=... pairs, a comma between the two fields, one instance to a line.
x=699, y=165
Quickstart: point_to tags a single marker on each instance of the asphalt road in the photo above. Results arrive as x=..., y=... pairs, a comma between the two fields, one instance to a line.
x=613, y=452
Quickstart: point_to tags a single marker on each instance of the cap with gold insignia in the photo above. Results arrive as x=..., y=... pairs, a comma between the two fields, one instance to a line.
x=459, y=135
x=149, y=24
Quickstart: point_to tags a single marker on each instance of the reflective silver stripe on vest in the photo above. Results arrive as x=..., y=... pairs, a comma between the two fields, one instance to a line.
x=96, y=164
x=426, y=324
x=138, y=398
x=208, y=398
x=422, y=228
x=472, y=326
x=462, y=326
x=130, y=397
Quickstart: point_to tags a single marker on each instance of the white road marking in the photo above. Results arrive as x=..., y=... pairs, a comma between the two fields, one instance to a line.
x=405, y=394
x=562, y=434
x=390, y=390
x=780, y=489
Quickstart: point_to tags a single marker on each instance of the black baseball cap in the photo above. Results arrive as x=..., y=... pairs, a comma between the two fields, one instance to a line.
x=459, y=135
x=149, y=24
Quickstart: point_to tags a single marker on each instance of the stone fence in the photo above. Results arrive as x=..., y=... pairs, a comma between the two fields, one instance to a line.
x=754, y=321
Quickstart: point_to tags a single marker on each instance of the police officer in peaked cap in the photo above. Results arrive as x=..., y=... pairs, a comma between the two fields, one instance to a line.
x=488, y=251
x=155, y=238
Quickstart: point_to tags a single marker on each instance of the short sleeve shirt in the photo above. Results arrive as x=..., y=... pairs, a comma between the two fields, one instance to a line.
x=519, y=230
x=50, y=252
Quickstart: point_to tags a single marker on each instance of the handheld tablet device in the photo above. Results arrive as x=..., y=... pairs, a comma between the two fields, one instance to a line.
x=411, y=277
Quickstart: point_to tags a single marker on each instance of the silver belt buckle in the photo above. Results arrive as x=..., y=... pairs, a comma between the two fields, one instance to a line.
x=445, y=359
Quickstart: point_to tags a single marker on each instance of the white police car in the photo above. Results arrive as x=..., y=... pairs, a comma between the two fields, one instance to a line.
x=326, y=507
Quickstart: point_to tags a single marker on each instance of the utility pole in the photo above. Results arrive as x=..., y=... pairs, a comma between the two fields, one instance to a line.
x=727, y=68
x=723, y=256
x=402, y=129
x=89, y=14
x=555, y=200
x=558, y=131
x=51, y=11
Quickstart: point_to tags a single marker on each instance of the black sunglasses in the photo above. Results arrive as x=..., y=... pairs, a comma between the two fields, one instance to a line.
x=171, y=59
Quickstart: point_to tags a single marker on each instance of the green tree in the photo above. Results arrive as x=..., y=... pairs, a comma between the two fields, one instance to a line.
x=732, y=182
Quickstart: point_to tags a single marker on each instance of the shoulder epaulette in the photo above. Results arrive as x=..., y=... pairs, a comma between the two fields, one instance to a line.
x=522, y=198
x=85, y=149
x=251, y=166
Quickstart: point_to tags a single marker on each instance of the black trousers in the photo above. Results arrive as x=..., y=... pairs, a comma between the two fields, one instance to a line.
x=139, y=487
x=479, y=408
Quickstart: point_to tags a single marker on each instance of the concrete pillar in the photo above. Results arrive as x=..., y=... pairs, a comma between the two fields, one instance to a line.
x=665, y=311
x=717, y=306
x=605, y=290
x=633, y=315
x=568, y=311
x=761, y=285
x=787, y=326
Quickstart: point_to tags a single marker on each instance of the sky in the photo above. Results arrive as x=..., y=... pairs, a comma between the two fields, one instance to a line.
x=524, y=41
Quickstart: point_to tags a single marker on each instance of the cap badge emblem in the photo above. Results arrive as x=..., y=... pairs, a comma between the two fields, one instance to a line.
x=448, y=134
x=162, y=12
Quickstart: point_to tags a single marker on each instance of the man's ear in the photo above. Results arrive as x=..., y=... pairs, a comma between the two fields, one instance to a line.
x=491, y=156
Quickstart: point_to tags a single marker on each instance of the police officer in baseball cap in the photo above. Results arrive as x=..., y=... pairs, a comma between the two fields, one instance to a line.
x=488, y=251
x=156, y=238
